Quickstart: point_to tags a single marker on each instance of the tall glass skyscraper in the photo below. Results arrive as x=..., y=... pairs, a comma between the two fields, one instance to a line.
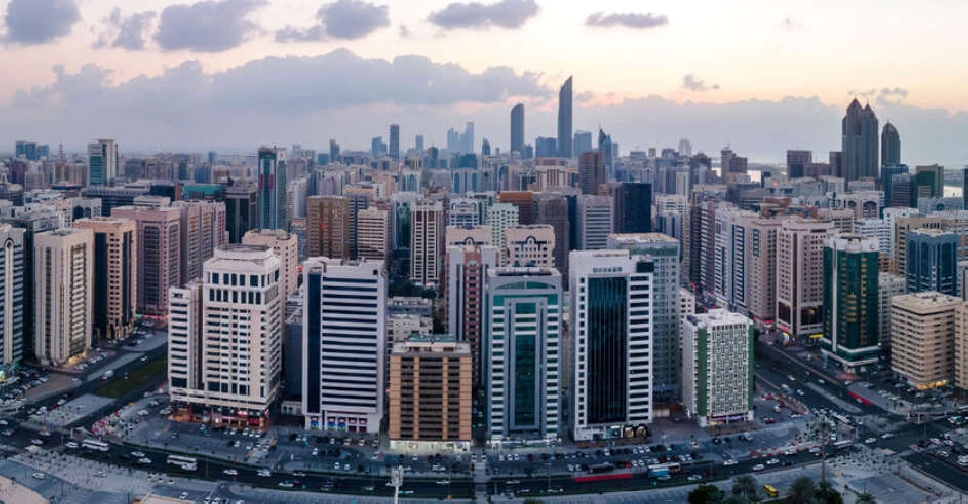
x=931, y=261
x=859, y=141
x=517, y=129
x=890, y=145
x=564, y=120
x=272, y=188
x=851, y=301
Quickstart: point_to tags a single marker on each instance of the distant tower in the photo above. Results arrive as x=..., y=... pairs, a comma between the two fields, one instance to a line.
x=859, y=142
x=272, y=188
x=517, y=129
x=394, y=141
x=102, y=161
x=890, y=145
x=564, y=120
x=418, y=143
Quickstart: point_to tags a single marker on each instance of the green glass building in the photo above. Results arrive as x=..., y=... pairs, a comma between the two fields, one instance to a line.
x=850, y=298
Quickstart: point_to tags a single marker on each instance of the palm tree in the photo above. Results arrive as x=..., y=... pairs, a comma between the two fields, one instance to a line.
x=802, y=491
x=705, y=494
x=827, y=495
x=866, y=498
x=745, y=486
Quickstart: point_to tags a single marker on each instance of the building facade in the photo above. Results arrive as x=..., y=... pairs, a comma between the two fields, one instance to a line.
x=530, y=246
x=373, y=234
x=159, y=254
x=467, y=267
x=328, y=227
x=593, y=222
x=851, y=302
x=931, y=261
x=923, y=339
x=286, y=248
x=115, y=275
x=12, y=259
x=63, y=295
x=272, y=188
x=799, y=278
x=426, y=242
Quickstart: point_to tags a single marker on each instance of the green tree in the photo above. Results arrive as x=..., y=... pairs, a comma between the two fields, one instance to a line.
x=745, y=488
x=802, y=491
x=704, y=494
x=826, y=494
x=866, y=498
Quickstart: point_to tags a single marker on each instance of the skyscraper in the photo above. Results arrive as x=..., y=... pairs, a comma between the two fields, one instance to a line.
x=522, y=353
x=343, y=344
x=202, y=230
x=663, y=252
x=159, y=254
x=851, y=301
x=418, y=143
x=591, y=171
x=284, y=245
x=890, y=145
x=717, y=370
x=799, y=278
x=859, y=143
x=611, y=365
x=552, y=209
x=797, y=161
x=605, y=148
x=239, y=283
x=328, y=227
x=103, y=160
x=594, y=222
x=373, y=234
x=501, y=216
x=64, y=276
x=633, y=207
x=395, y=141
x=564, y=120
x=517, y=129
x=467, y=266
x=12, y=257
x=931, y=263
x=272, y=188
x=115, y=275
x=583, y=142
x=241, y=208
x=426, y=242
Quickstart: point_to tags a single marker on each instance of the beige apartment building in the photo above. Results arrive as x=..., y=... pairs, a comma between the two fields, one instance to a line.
x=286, y=247
x=923, y=339
x=115, y=275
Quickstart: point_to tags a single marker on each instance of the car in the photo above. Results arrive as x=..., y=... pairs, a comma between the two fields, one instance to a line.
x=144, y=460
x=230, y=472
x=346, y=467
x=936, y=441
x=75, y=379
x=772, y=461
x=286, y=484
x=72, y=445
x=443, y=482
x=263, y=473
x=137, y=454
x=336, y=466
x=45, y=433
x=37, y=442
x=730, y=462
x=695, y=477
x=299, y=474
x=790, y=451
x=9, y=432
x=183, y=496
x=758, y=467
x=887, y=435
x=815, y=450
x=38, y=475
x=144, y=359
x=769, y=420
x=870, y=440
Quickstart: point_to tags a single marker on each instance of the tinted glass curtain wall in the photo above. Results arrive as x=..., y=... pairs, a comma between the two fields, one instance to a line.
x=607, y=360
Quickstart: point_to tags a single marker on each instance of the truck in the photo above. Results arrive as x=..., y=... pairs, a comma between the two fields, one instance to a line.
x=107, y=375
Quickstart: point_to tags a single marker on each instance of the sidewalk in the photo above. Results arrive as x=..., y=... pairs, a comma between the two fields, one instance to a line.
x=12, y=492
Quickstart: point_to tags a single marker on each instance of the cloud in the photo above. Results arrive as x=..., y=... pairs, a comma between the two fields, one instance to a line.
x=866, y=94
x=628, y=20
x=32, y=22
x=404, y=31
x=125, y=32
x=693, y=83
x=888, y=95
x=503, y=14
x=343, y=19
x=791, y=24
x=207, y=26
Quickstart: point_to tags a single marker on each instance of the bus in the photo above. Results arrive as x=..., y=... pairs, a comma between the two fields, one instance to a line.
x=94, y=444
x=771, y=491
x=185, y=463
x=665, y=469
x=840, y=445
x=844, y=419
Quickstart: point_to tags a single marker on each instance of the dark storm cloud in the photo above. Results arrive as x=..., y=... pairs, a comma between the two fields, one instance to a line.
x=343, y=19
x=125, y=32
x=504, y=14
x=31, y=22
x=207, y=26
x=627, y=19
x=693, y=83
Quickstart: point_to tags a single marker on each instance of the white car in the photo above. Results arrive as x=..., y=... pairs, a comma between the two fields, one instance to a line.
x=144, y=460
x=137, y=454
x=730, y=462
x=230, y=472
x=38, y=475
x=758, y=467
x=870, y=440
x=887, y=435
x=264, y=473
x=72, y=445
x=773, y=461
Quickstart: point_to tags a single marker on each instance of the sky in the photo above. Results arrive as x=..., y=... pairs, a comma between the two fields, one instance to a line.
x=760, y=76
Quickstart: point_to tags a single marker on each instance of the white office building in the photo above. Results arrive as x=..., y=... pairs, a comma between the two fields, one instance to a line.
x=344, y=341
x=594, y=222
x=717, y=367
x=611, y=344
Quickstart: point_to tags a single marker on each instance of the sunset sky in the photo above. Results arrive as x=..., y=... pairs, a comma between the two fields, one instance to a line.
x=906, y=58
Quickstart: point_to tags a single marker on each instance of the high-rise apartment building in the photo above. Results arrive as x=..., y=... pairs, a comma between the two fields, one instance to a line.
x=799, y=278
x=859, y=143
x=663, y=252
x=159, y=254
x=564, y=120
x=611, y=345
x=797, y=161
x=241, y=208
x=467, y=265
x=426, y=243
x=517, y=129
x=286, y=247
x=115, y=287
x=961, y=345
x=344, y=319
x=888, y=286
x=717, y=367
x=463, y=212
x=64, y=276
x=593, y=222
x=103, y=162
x=522, y=350
x=272, y=188
x=236, y=309
x=373, y=234
x=530, y=246
x=501, y=216
x=202, y=231
x=12, y=259
x=395, y=141
x=524, y=200
x=890, y=145
x=430, y=393
x=552, y=209
x=760, y=262
x=931, y=261
x=730, y=264
x=633, y=207
x=591, y=171
x=328, y=227
x=923, y=338
x=851, y=302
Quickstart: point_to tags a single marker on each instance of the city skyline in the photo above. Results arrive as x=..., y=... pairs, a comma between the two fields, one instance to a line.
x=210, y=81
